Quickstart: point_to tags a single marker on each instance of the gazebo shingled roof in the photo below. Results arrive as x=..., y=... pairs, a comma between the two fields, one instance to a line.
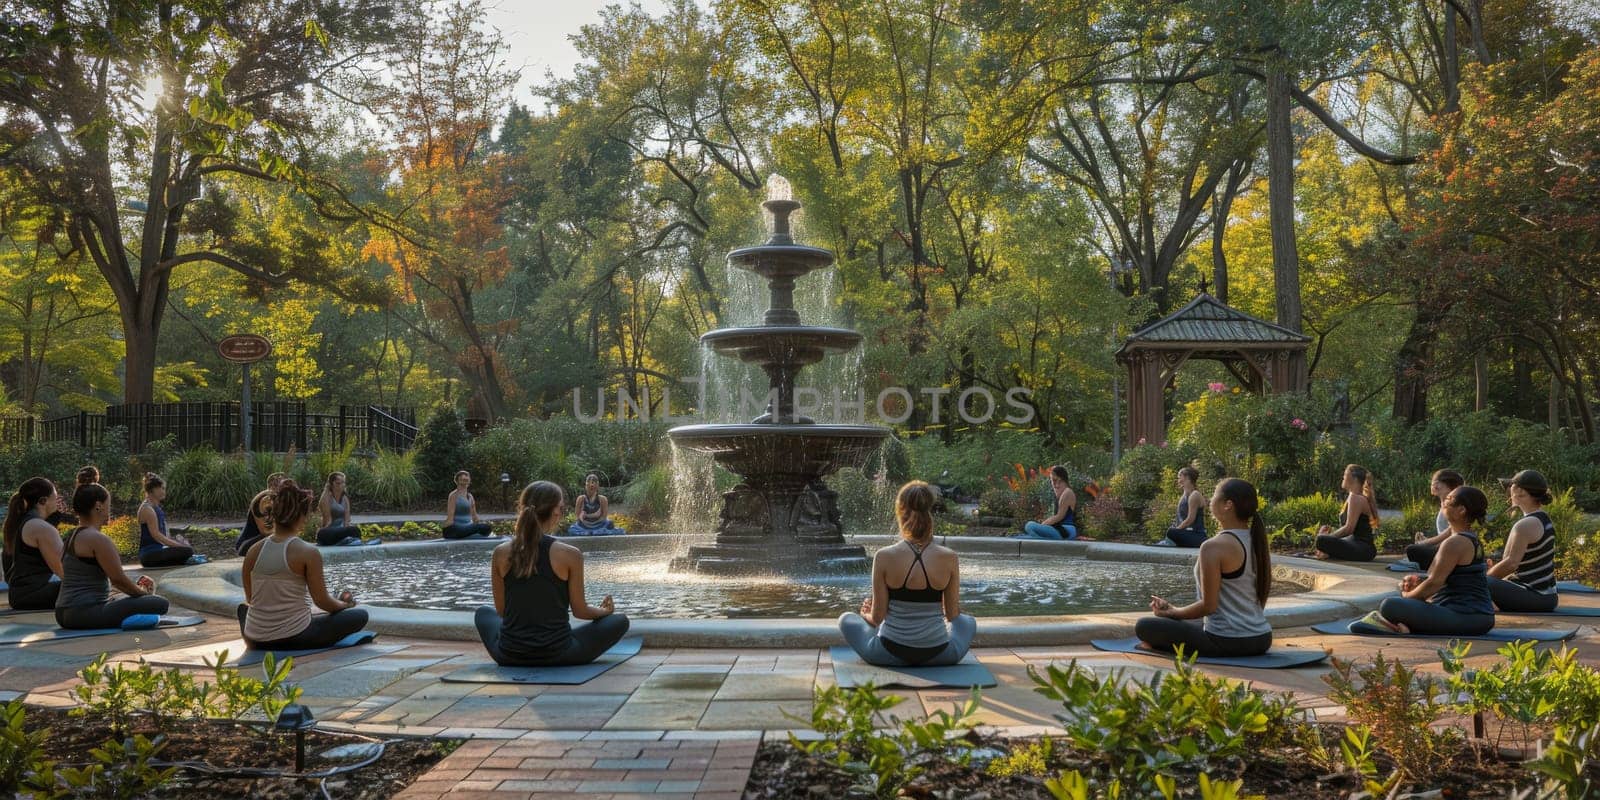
x=1263, y=356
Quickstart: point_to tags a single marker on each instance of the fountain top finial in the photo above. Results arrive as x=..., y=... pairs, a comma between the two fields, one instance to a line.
x=781, y=203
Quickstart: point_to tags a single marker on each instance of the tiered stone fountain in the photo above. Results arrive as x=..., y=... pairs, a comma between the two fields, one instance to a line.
x=781, y=517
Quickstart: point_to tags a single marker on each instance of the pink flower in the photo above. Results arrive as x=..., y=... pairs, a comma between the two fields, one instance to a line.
x=1298, y=424
x=1163, y=442
x=1219, y=388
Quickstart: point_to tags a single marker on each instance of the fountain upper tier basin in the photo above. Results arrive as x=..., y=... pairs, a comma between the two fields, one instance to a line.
x=780, y=260
x=794, y=450
x=768, y=345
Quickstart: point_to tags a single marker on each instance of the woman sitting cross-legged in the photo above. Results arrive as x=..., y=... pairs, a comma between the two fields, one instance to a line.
x=334, y=508
x=594, y=512
x=1524, y=579
x=1190, y=526
x=31, y=561
x=282, y=580
x=1453, y=599
x=1063, y=524
x=1352, y=540
x=536, y=578
x=461, y=511
x=1421, y=552
x=90, y=566
x=1232, y=575
x=158, y=547
x=905, y=625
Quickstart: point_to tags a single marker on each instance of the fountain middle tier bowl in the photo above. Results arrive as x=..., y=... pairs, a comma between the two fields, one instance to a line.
x=767, y=345
x=796, y=450
x=780, y=260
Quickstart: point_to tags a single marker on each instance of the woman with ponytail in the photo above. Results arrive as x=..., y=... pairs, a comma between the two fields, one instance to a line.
x=283, y=578
x=31, y=561
x=1232, y=575
x=536, y=579
x=158, y=547
x=1453, y=599
x=1352, y=540
x=905, y=625
x=91, y=566
x=62, y=514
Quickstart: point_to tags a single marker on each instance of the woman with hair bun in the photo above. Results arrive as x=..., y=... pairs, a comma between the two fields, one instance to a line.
x=91, y=566
x=906, y=625
x=158, y=547
x=31, y=560
x=63, y=514
x=1453, y=598
x=1232, y=577
x=536, y=580
x=1352, y=540
x=258, y=515
x=283, y=579
x=1524, y=579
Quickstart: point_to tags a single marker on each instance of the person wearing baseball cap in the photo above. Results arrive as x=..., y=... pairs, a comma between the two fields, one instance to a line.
x=1524, y=579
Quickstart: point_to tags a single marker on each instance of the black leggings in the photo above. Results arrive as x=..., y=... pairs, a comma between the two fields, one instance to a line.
x=1186, y=537
x=41, y=597
x=330, y=536
x=471, y=529
x=1165, y=634
x=1421, y=616
x=109, y=615
x=587, y=642
x=324, y=631
x=163, y=556
x=1347, y=548
x=1422, y=555
x=1509, y=596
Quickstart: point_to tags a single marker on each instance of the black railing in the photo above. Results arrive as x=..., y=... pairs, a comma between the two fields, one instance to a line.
x=16, y=431
x=274, y=426
x=85, y=429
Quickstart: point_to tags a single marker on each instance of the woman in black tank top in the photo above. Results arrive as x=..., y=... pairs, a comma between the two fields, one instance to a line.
x=536, y=581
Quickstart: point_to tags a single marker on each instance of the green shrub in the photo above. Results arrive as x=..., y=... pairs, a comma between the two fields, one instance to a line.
x=1293, y=523
x=1141, y=476
x=1398, y=705
x=229, y=488
x=978, y=461
x=187, y=474
x=441, y=450
x=1105, y=518
x=1417, y=516
x=649, y=495
x=393, y=482
x=865, y=505
x=882, y=762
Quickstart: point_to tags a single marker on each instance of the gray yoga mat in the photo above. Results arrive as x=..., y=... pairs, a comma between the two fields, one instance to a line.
x=560, y=676
x=1279, y=657
x=1342, y=628
x=241, y=655
x=21, y=633
x=849, y=671
x=1575, y=587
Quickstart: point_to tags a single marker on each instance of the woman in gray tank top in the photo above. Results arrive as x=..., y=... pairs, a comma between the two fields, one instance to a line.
x=91, y=566
x=1232, y=575
x=336, y=530
x=916, y=589
x=283, y=579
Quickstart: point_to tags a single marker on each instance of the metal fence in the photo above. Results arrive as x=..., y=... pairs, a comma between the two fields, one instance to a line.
x=274, y=426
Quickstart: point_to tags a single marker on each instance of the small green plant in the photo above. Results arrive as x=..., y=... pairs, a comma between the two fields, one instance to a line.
x=1530, y=686
x=119, y=771
x=1293, y=522
x=393, y=482
x=1398, y=706
x=1030, y=759
x=239, y=694
x=118, y=691
x=106, y=693
x=1357, y=749
x=881, y=761
x=1566, y=764
x=21, y=752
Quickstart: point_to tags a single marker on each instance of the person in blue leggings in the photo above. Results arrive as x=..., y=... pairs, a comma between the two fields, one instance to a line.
x=1063, y=524
x=1453, y=599
x=158, y=547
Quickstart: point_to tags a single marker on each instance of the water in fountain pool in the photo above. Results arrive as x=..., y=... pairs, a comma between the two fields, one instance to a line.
x=643, y=587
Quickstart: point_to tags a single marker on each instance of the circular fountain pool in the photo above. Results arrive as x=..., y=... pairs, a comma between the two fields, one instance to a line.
x=991, y=585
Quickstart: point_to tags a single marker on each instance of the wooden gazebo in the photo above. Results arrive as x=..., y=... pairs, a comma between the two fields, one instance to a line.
x=1263, y=357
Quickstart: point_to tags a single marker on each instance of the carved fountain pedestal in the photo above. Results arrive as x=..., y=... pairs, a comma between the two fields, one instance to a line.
x=781, y=517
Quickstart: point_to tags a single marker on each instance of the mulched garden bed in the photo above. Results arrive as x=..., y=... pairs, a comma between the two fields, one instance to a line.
x=224, y=744
x=782, y=771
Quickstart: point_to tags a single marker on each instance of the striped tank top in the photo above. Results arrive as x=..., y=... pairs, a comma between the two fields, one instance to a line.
x=1238, y=615
x=1537, y=570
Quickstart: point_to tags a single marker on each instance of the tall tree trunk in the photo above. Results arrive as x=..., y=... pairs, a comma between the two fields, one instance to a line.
x=1280, y=198
x=1411, y=365
x=1480, y=381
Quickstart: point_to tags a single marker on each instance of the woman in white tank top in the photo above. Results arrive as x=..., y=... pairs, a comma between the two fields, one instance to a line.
x=283, y=580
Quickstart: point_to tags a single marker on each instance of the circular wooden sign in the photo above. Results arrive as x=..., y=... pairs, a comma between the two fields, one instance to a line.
x=244, y=348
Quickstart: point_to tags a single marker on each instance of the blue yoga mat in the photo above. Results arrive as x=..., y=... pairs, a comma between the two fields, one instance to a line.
x=1561, y=611
x=1404, y=566
x=19, y=633
x=1279, y=657
x=1575, y=587
x=849, y=671
x=560, y=676
x=1342, y=628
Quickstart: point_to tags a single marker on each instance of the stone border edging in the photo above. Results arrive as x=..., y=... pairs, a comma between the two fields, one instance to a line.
x=1336, y=591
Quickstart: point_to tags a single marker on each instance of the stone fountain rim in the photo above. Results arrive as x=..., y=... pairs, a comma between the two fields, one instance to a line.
x=1336, y=591
x=814, y=430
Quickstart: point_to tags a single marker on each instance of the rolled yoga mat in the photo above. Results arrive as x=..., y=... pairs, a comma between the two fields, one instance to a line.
x=1279, y=657
x=21, y=633
x=570, y=675
x=849, y=671
x=1342, y=628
